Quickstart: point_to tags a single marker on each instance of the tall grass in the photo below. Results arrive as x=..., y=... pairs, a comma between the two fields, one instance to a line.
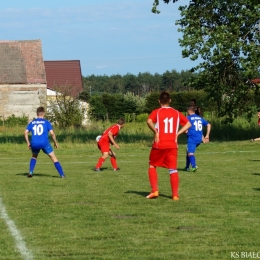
x=137, y=132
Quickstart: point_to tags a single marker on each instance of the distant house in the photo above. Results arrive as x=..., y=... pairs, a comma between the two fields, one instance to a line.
x=61, y=75
x=64, y=77
x=22, y=78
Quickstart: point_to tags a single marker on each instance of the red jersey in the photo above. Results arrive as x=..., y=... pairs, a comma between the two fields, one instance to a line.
x=259, y=122
x=114, y=129
x=167, y=121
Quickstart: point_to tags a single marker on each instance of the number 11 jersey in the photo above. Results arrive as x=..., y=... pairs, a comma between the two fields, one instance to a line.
x=167, y=121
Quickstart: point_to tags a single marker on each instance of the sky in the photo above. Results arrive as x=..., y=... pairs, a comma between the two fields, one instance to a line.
x=108, y=36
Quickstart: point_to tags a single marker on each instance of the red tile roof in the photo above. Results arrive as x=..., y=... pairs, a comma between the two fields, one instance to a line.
x=64, y=75
x=21, y=62
x=255, y=81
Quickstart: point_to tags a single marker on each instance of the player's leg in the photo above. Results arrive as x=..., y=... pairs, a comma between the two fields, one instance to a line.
x=113, y=160
x=191, y=148
x=33, y=161
x=171, y=164
x=155, y=159
x=56, y=164
x=49, y=151
x=104, y=148
x=187, y=161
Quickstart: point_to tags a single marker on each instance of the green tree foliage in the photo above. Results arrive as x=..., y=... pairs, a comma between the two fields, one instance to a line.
x=139, y=85
x=180, y=101
x=65, y=110
x=225, y=34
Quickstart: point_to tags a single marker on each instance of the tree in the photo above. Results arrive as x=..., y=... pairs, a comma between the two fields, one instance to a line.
x=65, y=110
x=225, y=34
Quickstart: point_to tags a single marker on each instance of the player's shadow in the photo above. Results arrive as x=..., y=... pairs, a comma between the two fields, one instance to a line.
x=145, y=193
x=255, y=173
x=101, y=169
x=256, y=189
x=254, y=160
x=38, y=175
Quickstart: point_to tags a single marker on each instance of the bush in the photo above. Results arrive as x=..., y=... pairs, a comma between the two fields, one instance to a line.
x=14, y=121
x=142, y=118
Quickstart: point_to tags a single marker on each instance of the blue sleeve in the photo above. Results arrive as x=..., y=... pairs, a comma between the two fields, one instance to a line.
x=49, y=126
x=29, y=127
x=204, y=122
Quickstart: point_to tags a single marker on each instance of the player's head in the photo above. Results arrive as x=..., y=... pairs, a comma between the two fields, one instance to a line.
x=40, y=111
x=121, y=122
x=193, y=102
x=191, y=110
x=164, y=98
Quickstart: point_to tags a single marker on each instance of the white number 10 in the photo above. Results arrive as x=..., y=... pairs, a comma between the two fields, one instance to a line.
x=37, y=129
x=168, y=123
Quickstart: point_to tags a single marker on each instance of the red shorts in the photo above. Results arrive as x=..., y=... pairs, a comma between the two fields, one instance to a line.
x=104, y=147
x=166, y=158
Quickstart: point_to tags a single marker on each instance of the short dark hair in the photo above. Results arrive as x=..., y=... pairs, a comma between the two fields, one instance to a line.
x=121, y=121
x=258, y=110
x=40, y=110
x=165, y=98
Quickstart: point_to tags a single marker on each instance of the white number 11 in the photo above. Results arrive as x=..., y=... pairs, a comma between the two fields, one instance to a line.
x=168, y=123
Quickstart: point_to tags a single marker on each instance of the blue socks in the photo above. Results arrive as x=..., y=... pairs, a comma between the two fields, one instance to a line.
x=192, y=161
x=32, y=164
x=59, y=169
x=187, y=161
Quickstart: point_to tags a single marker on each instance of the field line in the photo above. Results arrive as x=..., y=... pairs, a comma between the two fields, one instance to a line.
x=20, y=244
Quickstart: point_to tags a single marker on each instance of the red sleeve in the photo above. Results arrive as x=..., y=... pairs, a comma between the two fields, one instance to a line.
x=153, y=116
x=115, y=129
x=183, y=119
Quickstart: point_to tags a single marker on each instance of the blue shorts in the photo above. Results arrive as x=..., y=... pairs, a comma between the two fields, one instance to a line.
x=191, y=147
x=46, y=149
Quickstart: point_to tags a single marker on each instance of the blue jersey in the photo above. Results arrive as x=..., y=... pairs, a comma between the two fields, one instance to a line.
x=40, y=128
x=195, y=132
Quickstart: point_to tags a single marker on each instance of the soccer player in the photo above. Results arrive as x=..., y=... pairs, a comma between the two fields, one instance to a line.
x=258, y=115
x=195, y=137
x=107, y=138
x=198, y=110
x=40, y=128
x=164, y=123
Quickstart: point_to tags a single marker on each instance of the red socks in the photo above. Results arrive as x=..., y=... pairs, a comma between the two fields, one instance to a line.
x=174, y=179
x=153, y=179
x=113, y=162
x=100, y=162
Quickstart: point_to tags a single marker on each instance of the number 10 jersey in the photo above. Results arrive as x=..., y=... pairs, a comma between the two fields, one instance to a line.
x=40, y=128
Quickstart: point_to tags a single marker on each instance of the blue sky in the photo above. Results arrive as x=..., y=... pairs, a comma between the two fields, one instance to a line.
x=108, y=37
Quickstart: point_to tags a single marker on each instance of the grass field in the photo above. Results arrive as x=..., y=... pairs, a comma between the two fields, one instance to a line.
x=104, y=215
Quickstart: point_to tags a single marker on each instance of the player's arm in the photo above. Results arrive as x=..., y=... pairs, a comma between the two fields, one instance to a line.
x=207, y=133
x=53, y=136
x=112, y=140
x=26, y=132
x=151, y=126
x=184, y=128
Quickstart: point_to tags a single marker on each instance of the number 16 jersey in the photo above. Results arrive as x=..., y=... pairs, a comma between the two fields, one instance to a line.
x=40, y=128
x=167, y=121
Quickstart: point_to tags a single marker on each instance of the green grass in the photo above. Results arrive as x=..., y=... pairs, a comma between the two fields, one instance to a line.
x=105, y=215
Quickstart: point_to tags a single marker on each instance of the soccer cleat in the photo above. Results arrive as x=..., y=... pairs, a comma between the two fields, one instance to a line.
x=97, y=169
x=175, y=198
x=153, y=195
x=63, y=176
x=186, y=169
x=194, y=169
x=29, y=175
x=117, y=169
